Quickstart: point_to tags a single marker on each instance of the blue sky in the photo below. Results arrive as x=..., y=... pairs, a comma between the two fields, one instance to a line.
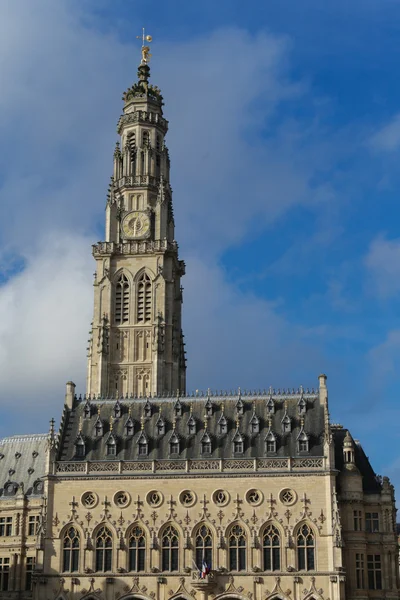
x=285, y=142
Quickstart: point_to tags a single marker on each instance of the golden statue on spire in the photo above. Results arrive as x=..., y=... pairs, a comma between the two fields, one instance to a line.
x=145, y=49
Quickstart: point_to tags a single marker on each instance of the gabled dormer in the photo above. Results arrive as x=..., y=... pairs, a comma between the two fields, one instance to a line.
x=147, y=409
x=254, y=422
x=117, y=410
x=111, y=445
x=222, y=422
x=239, y=406
x=129, y=426
x=237, y=441
x=286, y=421
x=208, y=407
x=206, y=443
x=160, y=425
x=178, y=409
x=98, y=427
x=303, y=441
x=270, y=405
x=80, y=446
x=174, y=444
x=302, y=405
x=87, y=409
x=191, y=423
x=143, y=444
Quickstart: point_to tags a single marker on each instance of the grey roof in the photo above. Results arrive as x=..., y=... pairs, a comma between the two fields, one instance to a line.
x=175, y=415
x=371, y=482
x=22, y=464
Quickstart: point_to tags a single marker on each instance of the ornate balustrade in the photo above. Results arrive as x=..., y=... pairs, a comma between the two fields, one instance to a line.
x=141, y=247
x=192, y=466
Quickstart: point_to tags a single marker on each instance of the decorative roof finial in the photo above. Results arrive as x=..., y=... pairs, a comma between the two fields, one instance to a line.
x=145, y=49
x=111, y=423
x=80, y=425
x=237, y=423
x=142, y=422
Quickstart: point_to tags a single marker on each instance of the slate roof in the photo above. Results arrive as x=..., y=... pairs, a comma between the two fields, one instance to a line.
x=163, y=417
x=371, y=481
x=22, y=465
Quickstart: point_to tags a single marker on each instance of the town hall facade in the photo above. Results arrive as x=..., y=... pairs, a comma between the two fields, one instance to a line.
x=149, y=493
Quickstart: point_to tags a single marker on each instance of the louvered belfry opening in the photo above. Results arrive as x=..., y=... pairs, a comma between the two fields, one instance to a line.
x=122, y=300
x=144, y=299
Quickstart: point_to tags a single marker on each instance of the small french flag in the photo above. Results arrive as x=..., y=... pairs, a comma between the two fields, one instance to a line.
x=205, y=569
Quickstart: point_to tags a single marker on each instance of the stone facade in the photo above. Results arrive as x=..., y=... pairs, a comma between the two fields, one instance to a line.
x=149, y=493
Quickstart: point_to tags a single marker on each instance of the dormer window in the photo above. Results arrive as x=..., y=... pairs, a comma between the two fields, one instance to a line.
x=238, y=447
x=206, y=446
x=87, y=410
x=111, y=446
x=302, y=406
x=143, y=446
x=147, y=410
x=270, y=443
x=270, y=406
x=160, y=426
x=303, y=442
x=286, y=424
x=240, y=407
x=178, y=408
x=254, y=424
x=98, y=428
x=222, y=425
x=79, y=447
x=191, y=424
x=208, y=408
x=129, y=427
x=117, y=410
x=174, y=444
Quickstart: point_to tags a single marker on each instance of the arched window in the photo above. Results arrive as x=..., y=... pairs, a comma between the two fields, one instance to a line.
x=71, y=548
x=121, y=311
x=305, y=549
x=271, y=549
x=203, y=547
x=237, y=549
x=170, y=549
x=146, y=138
x=103, y=550
x=144, y=299
x=137, y=550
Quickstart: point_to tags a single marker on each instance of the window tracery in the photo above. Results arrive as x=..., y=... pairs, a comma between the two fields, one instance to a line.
x=203, y=546
x=103, y=550
x=237, y=549
x=170, y=549
x=137, y=550
x=71, y=549
x=305, y=549
x=271, y=549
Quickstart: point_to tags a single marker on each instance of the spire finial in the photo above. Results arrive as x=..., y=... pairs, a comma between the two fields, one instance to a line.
x=80, y=424
x=111, y=423
x=142, y=422
x=145, y=49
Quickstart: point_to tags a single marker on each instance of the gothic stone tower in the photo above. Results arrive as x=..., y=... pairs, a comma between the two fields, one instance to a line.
x=136, y=345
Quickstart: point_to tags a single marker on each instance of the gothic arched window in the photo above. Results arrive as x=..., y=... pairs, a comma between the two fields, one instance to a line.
x=144, y=299
x=71, y=548
x=237, y=549
x=104, y=550
x=121, y=311
x=170, y=549
x=203, y=547
x=137, y=550
x=271, y=549
x=305, y=549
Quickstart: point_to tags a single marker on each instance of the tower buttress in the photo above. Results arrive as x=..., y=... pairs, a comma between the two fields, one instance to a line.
x=136, y=346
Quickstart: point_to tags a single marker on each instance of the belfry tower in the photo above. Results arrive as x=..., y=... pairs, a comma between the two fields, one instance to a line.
x=136, y=344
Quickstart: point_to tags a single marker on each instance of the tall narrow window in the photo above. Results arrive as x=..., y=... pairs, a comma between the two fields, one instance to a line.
x=30, y=566
x=5, y=526
x=144, y=299
x=360, y=571
x=33, y=524
x=374, y=571
x=71, y=547
x=170, y=549
x=137, y=549
x=271, y=549
x=203, y=547
x=305, y=549
x=103, y=550
x=237, y=549
x=146, y=138
x=4, y=573
x=357, y=516
x=122, y=300
x=371, y=522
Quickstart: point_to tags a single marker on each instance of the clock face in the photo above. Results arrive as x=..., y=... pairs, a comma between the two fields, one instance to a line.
x=136, y=225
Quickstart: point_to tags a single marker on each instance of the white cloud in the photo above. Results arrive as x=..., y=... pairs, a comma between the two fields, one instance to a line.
x=387, y=139
x=383, y=264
